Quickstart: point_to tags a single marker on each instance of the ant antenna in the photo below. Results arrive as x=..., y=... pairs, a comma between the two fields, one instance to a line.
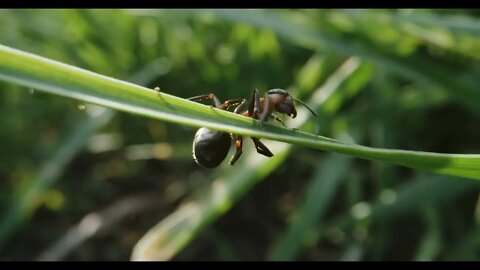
x=303, y=103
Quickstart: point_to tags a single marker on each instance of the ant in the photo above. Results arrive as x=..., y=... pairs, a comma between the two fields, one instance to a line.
x=210, y=147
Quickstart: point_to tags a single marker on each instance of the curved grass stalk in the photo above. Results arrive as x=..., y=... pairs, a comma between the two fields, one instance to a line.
x=57, y=78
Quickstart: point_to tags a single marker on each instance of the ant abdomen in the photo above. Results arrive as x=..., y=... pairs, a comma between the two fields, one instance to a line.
x=210, y=147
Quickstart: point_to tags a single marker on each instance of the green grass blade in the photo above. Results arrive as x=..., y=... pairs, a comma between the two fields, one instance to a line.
x=305, y=222
x=61, y=79
x=460, y=23
x=429, y=246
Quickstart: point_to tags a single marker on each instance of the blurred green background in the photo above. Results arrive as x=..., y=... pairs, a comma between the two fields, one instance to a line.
x=79, y=182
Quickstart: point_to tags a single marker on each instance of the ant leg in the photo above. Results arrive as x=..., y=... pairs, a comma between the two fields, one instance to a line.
x=240, y=108
x=261, y=148
x=216, y=101
x=238, y=152
x=232, y=102
x=254, y=103
x=258, y=102
x=251, y=104
x=266, y=110
x=211, y=96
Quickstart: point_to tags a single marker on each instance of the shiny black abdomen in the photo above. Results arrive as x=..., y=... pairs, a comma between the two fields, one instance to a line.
x=210, y=147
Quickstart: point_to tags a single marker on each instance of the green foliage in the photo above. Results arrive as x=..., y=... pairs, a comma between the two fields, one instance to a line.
x=411, y=84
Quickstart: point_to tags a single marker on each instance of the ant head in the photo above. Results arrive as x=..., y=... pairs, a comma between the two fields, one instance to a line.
x=283, y=102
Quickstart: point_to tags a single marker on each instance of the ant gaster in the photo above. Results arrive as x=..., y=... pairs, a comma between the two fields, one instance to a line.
x=210, y=147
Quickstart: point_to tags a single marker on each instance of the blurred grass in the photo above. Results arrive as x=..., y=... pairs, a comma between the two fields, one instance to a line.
x=30, y=199
x=417, y=88
x=306, y=221
x=27, y=202
x=413, y=67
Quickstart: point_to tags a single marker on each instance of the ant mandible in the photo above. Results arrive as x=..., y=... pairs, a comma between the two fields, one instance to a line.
x=210, y=147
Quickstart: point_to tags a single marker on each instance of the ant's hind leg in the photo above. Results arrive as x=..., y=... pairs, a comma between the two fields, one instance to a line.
x=238, y=146
x=211, y=96
x=261, y=148
x=216, y=101
x=233, y=102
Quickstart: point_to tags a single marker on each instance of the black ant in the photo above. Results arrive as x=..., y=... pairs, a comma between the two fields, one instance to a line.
x=210, y=147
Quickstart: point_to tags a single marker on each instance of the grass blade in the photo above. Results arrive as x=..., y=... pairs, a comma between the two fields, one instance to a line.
x=304, y=225
x=61, y=79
